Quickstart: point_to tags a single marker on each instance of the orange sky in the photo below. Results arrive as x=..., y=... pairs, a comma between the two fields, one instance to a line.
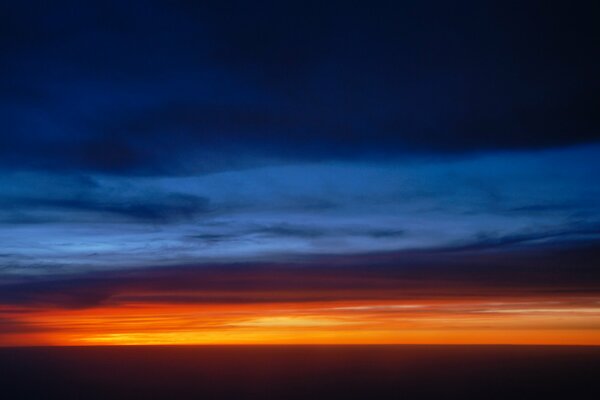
x=454, y=321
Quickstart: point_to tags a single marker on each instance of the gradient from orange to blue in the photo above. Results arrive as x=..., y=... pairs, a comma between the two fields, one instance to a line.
x=282, y=304
x=194, y=172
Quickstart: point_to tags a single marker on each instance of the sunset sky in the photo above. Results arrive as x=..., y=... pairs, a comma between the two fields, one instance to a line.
x=199, y=172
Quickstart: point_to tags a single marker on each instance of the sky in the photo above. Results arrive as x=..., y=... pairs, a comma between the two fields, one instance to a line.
x=182, y=172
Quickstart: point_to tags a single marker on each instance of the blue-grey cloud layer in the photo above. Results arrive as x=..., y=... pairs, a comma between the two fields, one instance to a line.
x=53, y=222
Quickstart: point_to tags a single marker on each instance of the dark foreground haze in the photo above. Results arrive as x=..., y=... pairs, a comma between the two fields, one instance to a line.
x=300, y=372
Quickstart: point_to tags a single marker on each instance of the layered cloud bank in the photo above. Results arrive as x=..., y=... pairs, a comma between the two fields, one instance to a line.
x=59, y=223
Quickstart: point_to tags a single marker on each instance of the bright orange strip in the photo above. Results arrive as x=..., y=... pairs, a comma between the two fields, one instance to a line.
x=472, y=321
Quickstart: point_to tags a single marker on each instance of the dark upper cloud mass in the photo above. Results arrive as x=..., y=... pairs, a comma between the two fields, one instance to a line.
x=178, y=87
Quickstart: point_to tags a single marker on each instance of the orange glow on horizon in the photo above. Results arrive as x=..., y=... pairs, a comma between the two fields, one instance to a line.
x=471, y=321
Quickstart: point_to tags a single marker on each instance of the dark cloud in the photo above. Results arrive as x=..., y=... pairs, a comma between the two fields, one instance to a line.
x=529, y=271
x=172, y=87
x=563, y=236
x=163, y=208
x=286, y=230
x=308, y=232
x=71, y=293
x=13, y=325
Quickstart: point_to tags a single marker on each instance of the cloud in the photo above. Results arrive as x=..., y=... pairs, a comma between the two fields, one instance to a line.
x=195, y=88
x=15, y=325
x=52, y=223
x=535, y=271
x=162, y=209
x=49, y=198
x=301, y=231
x=490, y=241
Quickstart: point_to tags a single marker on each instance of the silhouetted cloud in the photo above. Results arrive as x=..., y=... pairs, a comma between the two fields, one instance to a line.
x=535, y=271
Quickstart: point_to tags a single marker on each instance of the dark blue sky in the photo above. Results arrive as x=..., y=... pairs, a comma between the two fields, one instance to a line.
x=185, y=87
x=190, y=133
